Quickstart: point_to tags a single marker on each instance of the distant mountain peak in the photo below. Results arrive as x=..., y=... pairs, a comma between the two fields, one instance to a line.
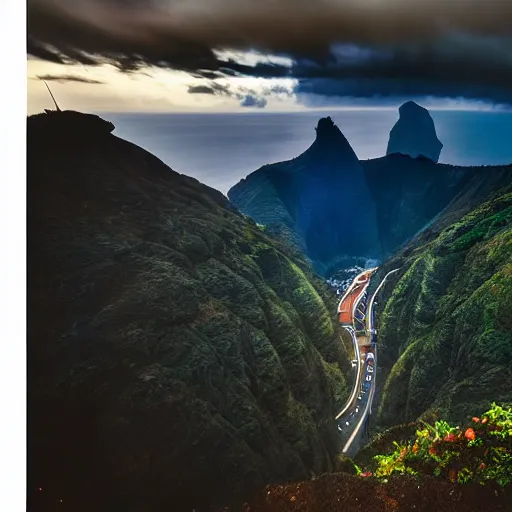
x=410, y=106
x=330, y=141
x=326, y=124
x=326, y=130
x=312, y=198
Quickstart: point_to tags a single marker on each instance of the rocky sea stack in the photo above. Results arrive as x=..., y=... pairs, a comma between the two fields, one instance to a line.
x=414, y=134
x=319, y=200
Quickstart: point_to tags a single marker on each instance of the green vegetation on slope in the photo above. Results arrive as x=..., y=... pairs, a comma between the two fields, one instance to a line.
x=480, y=453
x=177, y=354
x=415, y=467
x=446, y=331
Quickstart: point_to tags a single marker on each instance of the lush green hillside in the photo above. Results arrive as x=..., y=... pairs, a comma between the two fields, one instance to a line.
x=445, y=350
x=445, y=334
x=176, y=354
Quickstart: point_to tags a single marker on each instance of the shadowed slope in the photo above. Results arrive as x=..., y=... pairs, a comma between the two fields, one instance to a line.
x=320, y=200
x=176, y=355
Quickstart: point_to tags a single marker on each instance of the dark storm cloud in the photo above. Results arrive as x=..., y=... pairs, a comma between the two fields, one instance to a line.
x=213, y=89
x=253, y=101
x=475, y=68
x=262, y=69
x=246, y=96
x=395, y=45
x=205, y=73
x=201, y=89
x=328, y=92
x=68, y=78
x=44, y=52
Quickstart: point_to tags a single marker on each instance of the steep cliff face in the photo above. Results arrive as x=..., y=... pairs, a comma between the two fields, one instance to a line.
x=176, y=355
x=414, y=134
x=408, y=193
x=408, y=186
x=319, y=200
x=445, y=335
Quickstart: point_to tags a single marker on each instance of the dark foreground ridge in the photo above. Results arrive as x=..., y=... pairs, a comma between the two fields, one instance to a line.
x=177, y=357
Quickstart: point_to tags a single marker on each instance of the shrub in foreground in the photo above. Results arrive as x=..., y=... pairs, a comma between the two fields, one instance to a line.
x=481, y=452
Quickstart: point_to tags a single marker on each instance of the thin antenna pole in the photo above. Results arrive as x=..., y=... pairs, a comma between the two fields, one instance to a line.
x=56, y=106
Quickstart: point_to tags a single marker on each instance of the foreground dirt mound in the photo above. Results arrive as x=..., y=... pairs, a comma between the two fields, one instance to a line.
x=343, y=492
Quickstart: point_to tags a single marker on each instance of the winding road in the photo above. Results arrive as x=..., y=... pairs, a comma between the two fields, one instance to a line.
x=356, y=314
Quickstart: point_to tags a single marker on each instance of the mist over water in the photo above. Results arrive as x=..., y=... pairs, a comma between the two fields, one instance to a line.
x=221, y=149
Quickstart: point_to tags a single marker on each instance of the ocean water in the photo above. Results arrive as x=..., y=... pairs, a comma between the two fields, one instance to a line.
x=221, y=149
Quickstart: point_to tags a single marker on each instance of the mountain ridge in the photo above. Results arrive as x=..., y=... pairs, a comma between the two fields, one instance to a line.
x=406, y=193
x=311, y=198
x=171, y=343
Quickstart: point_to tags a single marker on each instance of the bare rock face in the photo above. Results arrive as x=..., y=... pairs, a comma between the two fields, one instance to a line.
x=414, y=134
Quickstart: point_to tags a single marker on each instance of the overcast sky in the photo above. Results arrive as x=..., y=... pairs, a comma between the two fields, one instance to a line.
x=236, y=55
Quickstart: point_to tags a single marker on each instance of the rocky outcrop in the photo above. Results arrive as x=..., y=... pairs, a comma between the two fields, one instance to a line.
x=176, y=355
x=414, y=134
x=320, y=201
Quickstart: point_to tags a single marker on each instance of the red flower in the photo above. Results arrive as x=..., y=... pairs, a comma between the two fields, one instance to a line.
x=366, y=473
x=470, y=434
x=415, y=448
x=432, y=450
x=482, y=466
x=475, y=419
x=450, y=438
